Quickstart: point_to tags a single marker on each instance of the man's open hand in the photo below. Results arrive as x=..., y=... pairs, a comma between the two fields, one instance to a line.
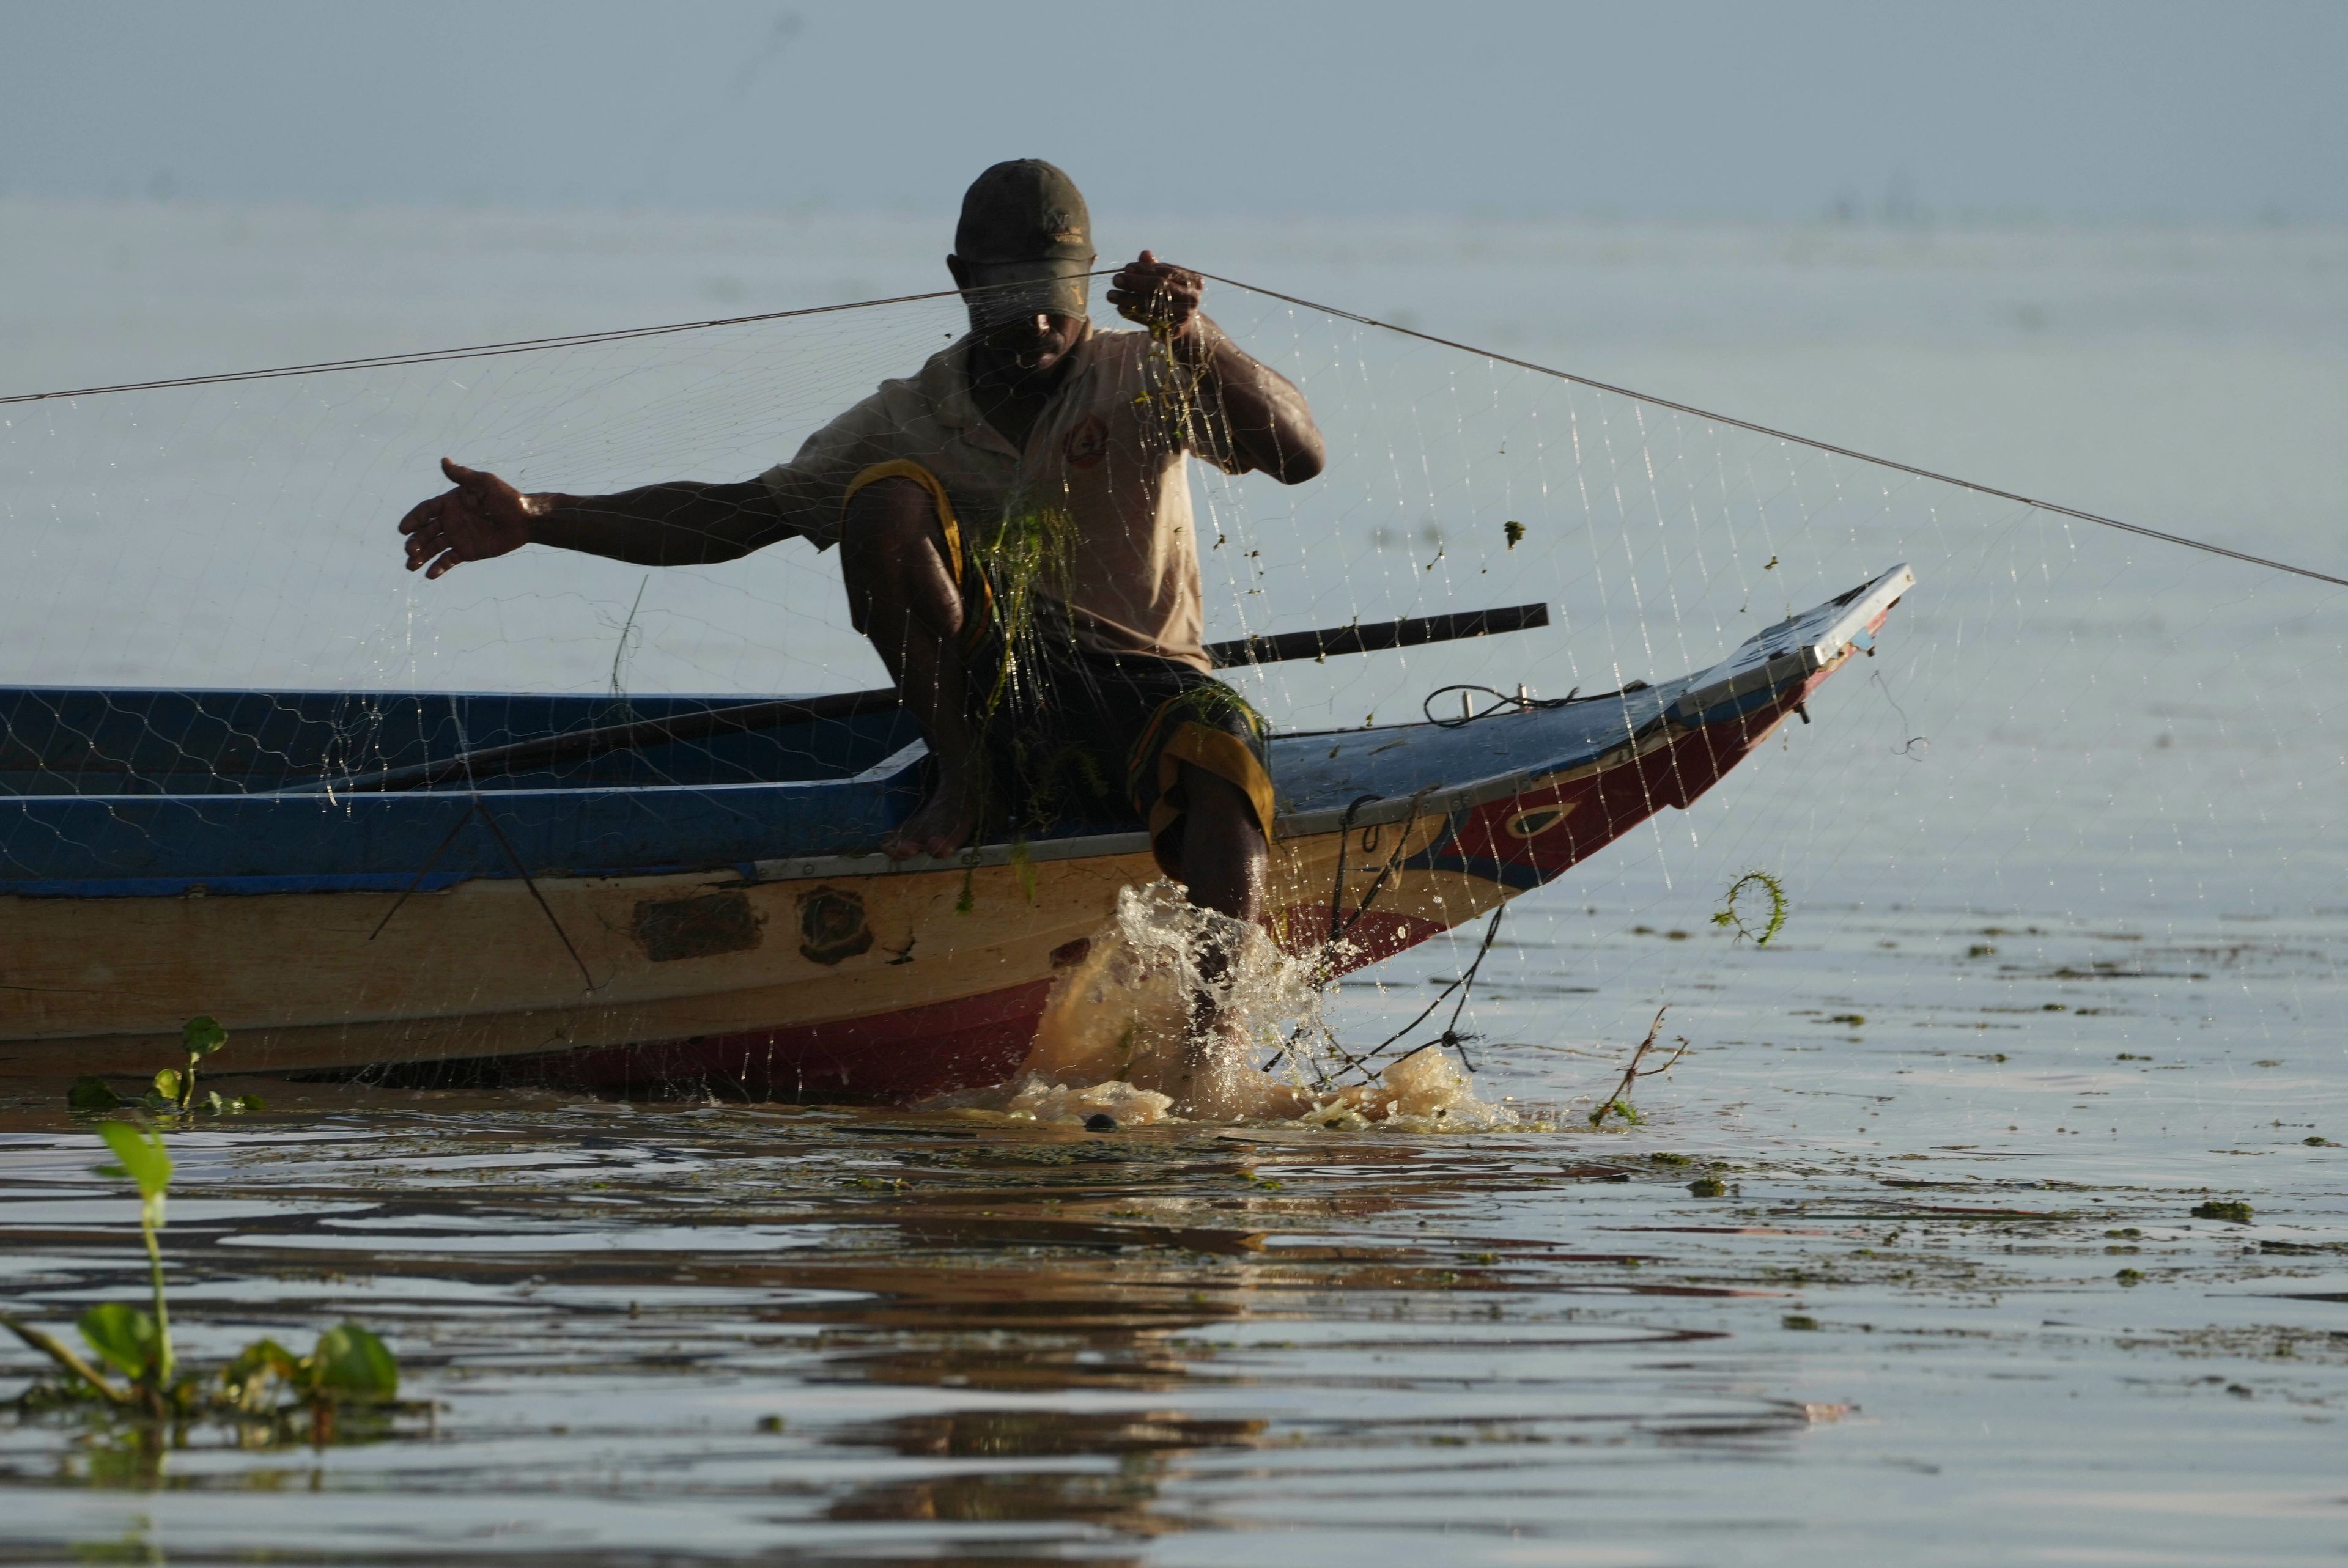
x=1160, y=296
x=482, y=516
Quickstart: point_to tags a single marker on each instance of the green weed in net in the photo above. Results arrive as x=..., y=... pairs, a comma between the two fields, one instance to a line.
x=1753, y=886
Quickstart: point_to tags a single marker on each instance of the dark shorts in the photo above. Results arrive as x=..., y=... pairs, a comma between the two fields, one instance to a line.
x=1075, y=737
x=1079, y=737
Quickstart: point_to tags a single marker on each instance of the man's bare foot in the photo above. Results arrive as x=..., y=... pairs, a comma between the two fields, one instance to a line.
x=940, y=824
x=1217, y=1082
x=1242, y=1092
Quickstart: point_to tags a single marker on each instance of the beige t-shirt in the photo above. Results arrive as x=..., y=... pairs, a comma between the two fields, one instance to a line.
x=1108, y=452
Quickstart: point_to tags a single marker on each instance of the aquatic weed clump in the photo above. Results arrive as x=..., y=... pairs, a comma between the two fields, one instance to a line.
x=1618, y=1104
x=174, y=1093
x=266, y=1389
x=264, y=1384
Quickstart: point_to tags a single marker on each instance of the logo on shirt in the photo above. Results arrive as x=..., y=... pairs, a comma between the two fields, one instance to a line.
x=1088, y=444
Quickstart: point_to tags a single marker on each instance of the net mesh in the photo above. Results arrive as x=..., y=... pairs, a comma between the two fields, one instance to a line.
x=2061, y=722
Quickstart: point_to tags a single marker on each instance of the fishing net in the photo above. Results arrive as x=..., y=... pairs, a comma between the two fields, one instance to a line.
x=2063, y=725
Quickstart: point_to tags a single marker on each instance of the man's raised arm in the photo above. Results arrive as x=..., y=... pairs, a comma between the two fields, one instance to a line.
x=683, y=523
x=1272, y=428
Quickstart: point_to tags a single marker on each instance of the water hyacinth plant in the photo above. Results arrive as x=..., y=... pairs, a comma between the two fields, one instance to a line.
x=174, y=1093
x=264, y=1381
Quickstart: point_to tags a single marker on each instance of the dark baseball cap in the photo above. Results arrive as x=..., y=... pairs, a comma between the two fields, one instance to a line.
x=1024, y=222
x=1024, y=210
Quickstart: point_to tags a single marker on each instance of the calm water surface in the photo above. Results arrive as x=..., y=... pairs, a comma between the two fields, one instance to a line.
x=668, y=1332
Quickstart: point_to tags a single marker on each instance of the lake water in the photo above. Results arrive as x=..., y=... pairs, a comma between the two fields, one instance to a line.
x=2050, y=981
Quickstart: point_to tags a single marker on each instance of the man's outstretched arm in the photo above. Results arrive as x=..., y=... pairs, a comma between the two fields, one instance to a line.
x=1272, y=428
x=685, y=522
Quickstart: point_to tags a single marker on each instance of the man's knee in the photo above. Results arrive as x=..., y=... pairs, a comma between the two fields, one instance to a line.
x=892, y=554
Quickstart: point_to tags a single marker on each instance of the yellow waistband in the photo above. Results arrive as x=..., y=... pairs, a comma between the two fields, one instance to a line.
x=906, y=469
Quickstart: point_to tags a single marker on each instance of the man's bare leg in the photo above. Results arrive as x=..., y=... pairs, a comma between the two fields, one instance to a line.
x=1223, y=852
x=1224, y=863
x=902, y=595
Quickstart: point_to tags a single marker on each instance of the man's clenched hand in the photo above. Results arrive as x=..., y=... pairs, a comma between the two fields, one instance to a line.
x=1160, y=295
x=482, y=516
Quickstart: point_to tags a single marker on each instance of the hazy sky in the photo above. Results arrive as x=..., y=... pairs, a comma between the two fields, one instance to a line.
x=2231, y=112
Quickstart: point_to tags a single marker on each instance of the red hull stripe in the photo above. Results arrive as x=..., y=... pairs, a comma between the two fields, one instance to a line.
x=921, y=1051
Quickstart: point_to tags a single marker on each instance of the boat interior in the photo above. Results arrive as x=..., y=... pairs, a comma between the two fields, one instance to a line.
x=81, y=741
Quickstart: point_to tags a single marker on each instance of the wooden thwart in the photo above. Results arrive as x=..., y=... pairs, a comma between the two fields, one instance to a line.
x=1413, y=632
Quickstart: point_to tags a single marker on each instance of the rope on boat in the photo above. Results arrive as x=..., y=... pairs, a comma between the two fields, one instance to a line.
x=476, y=809
x=1338, y=928
x=1464, y=986
x=1340, y=923
x=522, y=871
x=1520, y=701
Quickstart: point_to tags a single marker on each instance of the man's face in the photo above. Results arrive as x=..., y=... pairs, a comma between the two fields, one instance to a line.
x=1022, y=321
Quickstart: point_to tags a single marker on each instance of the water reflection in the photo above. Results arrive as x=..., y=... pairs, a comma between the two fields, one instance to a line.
x=678, y=1332
x=1144, y=1445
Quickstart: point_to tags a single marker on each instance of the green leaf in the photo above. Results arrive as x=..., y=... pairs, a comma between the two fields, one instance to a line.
x=142, y=1156
x=255, y=1366
x=90, y=1094
x=125, y=1336
x=250, y=1103
x=259, y=1355
x=202, y=1035
x=166, y=1084
x=350, y=1363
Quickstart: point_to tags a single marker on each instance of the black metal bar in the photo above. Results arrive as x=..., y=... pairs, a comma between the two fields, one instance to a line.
x=577, y=745
x=1413, y=632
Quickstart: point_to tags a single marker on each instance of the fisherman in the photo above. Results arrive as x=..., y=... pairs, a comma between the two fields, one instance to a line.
x=1016, y=537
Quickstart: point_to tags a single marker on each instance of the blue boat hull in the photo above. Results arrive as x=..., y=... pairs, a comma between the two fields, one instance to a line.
x=717, y=908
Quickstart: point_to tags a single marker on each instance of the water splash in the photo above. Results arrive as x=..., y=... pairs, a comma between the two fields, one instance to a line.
x=1117, y=1037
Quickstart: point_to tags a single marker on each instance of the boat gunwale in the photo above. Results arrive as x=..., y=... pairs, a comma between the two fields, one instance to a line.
x=1729, y=693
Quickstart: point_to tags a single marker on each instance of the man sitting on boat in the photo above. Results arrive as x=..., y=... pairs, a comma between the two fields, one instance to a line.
x=1017, y=537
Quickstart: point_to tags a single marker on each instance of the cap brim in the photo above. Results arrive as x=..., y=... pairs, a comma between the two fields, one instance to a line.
x=1004, y=290
x=1027, y=269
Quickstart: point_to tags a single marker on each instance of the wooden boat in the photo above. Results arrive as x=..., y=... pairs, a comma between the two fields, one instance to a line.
x=706, y=900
